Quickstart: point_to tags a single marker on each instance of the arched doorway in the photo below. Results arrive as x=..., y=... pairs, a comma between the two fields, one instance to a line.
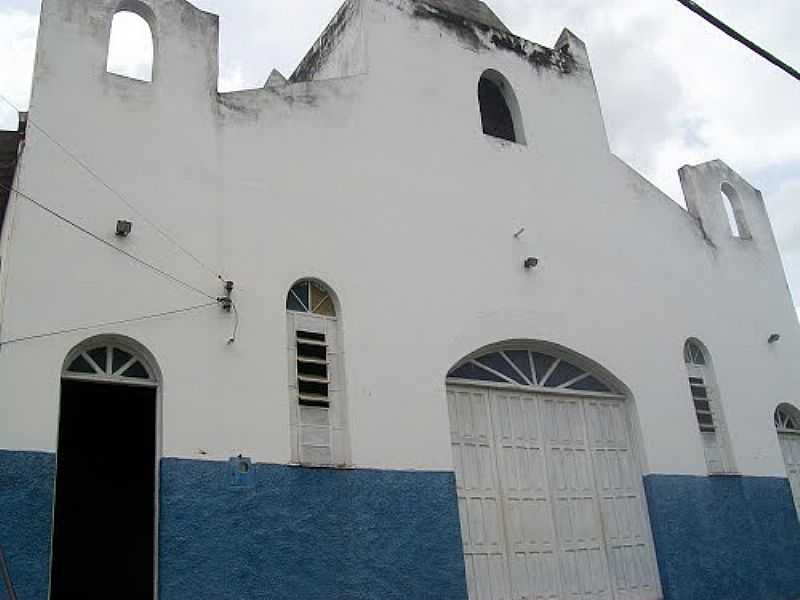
x=787, y=422
x=549, y=485
x=104, y=519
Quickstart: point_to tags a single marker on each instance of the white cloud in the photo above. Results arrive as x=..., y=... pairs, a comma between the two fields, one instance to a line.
x=674, y=89
x=17, y=44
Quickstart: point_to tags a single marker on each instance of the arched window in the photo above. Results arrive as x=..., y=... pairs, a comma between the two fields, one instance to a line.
x=787, y=423
x=318, y=416
x=733, y=209
x=130, y=47
x=708, y=409
x=500, y=114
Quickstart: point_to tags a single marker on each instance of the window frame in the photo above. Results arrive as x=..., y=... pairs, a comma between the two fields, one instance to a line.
x=713, y=435
x=318, y=426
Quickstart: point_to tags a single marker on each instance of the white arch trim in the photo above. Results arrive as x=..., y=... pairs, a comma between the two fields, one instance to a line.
x=112, y=359
x=534, y=366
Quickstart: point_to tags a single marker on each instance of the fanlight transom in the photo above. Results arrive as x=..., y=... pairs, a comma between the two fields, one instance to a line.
x=108, y=362
x=529, y=368
x=311, y=297
x=693, y=354
x=787, y=420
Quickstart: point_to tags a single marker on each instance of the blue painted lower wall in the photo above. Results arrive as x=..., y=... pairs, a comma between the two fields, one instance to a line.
x=725, y=538
x=329, y=534
x=292, y=533
x=26, y=506
x=310, y=534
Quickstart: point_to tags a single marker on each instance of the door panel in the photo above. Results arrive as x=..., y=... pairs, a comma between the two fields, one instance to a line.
x=577, y=516
x=618, y=479
x=523, y=481
x=478, y=495
x=790, y=447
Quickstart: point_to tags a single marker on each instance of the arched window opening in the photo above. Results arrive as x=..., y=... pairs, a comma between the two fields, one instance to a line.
x=130, y=48
x=708, y=409
x=500, y=115
x=318, y=421
x=106, y=471
x=734, y=211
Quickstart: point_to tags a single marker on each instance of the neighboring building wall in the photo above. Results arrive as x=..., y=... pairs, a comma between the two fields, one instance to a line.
x=383, y=186
x=9, y=151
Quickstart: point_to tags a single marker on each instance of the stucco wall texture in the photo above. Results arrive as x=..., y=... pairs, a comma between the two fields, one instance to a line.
x=725, y=538
x=294, y=534
x=315, y=534
x=364, y=534
x=26, y=507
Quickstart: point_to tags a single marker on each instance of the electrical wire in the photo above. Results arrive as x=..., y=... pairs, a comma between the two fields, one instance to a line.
x=698, y=10
x=106, y=324
x=96, y=237
x=127, y=203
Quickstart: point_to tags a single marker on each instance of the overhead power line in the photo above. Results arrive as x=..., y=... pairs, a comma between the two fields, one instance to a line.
x=740, y=38
x=168, y=313
x=97, y=238
x=126, y=202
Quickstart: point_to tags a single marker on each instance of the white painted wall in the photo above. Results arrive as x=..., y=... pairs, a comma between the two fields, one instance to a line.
x=383, y=186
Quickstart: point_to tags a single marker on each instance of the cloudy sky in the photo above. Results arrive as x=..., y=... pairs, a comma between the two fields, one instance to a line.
x=674, y=90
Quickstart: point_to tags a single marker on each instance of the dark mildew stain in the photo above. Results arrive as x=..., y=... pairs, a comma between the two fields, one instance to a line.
x=325, y=45
x=540, y=57
x=478, y=36
x=463, y=28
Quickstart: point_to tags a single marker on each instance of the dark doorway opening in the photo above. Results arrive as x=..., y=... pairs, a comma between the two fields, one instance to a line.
x=495, y=113
x=104, y=518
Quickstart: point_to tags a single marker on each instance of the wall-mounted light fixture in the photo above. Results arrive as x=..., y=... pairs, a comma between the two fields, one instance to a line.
x=774, y=338
x=531, y=262
x=124, y=228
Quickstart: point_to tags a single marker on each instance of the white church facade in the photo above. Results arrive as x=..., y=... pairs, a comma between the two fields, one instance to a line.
x=400, y=325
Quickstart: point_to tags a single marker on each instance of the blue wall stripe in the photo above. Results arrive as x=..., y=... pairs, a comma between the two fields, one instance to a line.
x=26, y=506
x=310, y=534
x=725, y=538
x=295, y=533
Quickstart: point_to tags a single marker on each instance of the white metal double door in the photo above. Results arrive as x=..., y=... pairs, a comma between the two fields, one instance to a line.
x=550, y=498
